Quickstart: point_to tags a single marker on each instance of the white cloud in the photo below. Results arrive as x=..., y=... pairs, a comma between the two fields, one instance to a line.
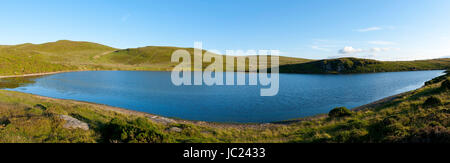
x=381, y=42
x=369, y=29
x=374, y=50
x=350, y=50
x=368, y=56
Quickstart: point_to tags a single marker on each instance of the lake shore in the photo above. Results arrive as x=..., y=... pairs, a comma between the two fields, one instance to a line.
x=167, y=120
x=27, y=118
x=37, y=74
x=159, y=70
x=153, y=117
x=163, y=119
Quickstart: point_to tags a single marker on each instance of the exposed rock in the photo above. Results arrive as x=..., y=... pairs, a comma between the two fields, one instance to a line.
x=175, y=129
x=72, y=123
x=159, y=119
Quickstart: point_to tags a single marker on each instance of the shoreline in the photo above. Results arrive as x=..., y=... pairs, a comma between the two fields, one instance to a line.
x=153, y=117
x=58, y=72
x=164, y=119
x=38, y=74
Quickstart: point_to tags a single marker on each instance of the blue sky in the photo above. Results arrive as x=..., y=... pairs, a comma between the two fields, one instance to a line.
x=379, y=29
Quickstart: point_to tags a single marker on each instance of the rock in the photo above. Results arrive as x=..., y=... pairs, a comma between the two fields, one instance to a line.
x=72, y=123
x=162, y=120
x=175, y=129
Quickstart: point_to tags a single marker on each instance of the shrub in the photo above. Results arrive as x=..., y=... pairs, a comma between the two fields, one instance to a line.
x=34, y=111
x=40, y=106
x=137, y=131
x=390, y=129
x=4, y=121
x=351, y=136
x=436, y=80
x=432, y=102
x=446, y=85
x=430, y=134
x=353, y=124
x=340, y=112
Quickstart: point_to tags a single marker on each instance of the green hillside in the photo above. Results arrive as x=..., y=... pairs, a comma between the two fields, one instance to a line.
x=357, y=65
x=49, y=57
x=67, y=55
x=151, y=57
x=158, y=57
x=16, y=61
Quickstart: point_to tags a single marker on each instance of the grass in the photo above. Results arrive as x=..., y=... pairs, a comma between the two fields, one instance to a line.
x=357, y=65
x=400, y=120
x=68, y=55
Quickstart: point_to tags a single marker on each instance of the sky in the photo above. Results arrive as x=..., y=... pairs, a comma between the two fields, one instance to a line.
x=315, y=29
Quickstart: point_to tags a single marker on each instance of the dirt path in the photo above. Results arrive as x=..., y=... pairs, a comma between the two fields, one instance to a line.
x=36, y=74
x=98, y=56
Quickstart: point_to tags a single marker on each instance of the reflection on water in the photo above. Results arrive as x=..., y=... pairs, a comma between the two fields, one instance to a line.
x=300, y=95
x=12, y=83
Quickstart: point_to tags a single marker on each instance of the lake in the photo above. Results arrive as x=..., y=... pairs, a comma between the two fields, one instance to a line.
x=300, y=95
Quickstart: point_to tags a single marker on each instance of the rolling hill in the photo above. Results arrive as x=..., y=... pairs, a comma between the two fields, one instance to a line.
x=159, y=57
x=68, y=55
x=357, y=65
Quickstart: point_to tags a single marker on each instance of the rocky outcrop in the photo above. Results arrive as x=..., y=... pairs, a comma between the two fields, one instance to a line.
x=175, y=129
x=344, y=64
x=162, y=120
x=72, y=123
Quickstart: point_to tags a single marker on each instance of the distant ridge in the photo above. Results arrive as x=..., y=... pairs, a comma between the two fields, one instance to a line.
x=358, y=65
x=66, y=55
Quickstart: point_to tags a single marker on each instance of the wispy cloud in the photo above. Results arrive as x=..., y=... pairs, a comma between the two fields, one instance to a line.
x=368, y=56
x=375, y=50
x=327, y=45
x=320, y=48
x=381, y=42
x=369, y=29
x=351, y=50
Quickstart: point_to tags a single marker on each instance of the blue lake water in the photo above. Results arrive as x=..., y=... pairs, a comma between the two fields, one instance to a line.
x=299, y=95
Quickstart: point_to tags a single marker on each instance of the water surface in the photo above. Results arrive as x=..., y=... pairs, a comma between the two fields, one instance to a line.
x=300, y=95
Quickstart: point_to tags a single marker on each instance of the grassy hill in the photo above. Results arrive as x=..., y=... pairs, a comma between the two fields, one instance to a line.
x=49, y=57
x=357, y=65
x=419, y=116
x=67, y=55
x=158, y=57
